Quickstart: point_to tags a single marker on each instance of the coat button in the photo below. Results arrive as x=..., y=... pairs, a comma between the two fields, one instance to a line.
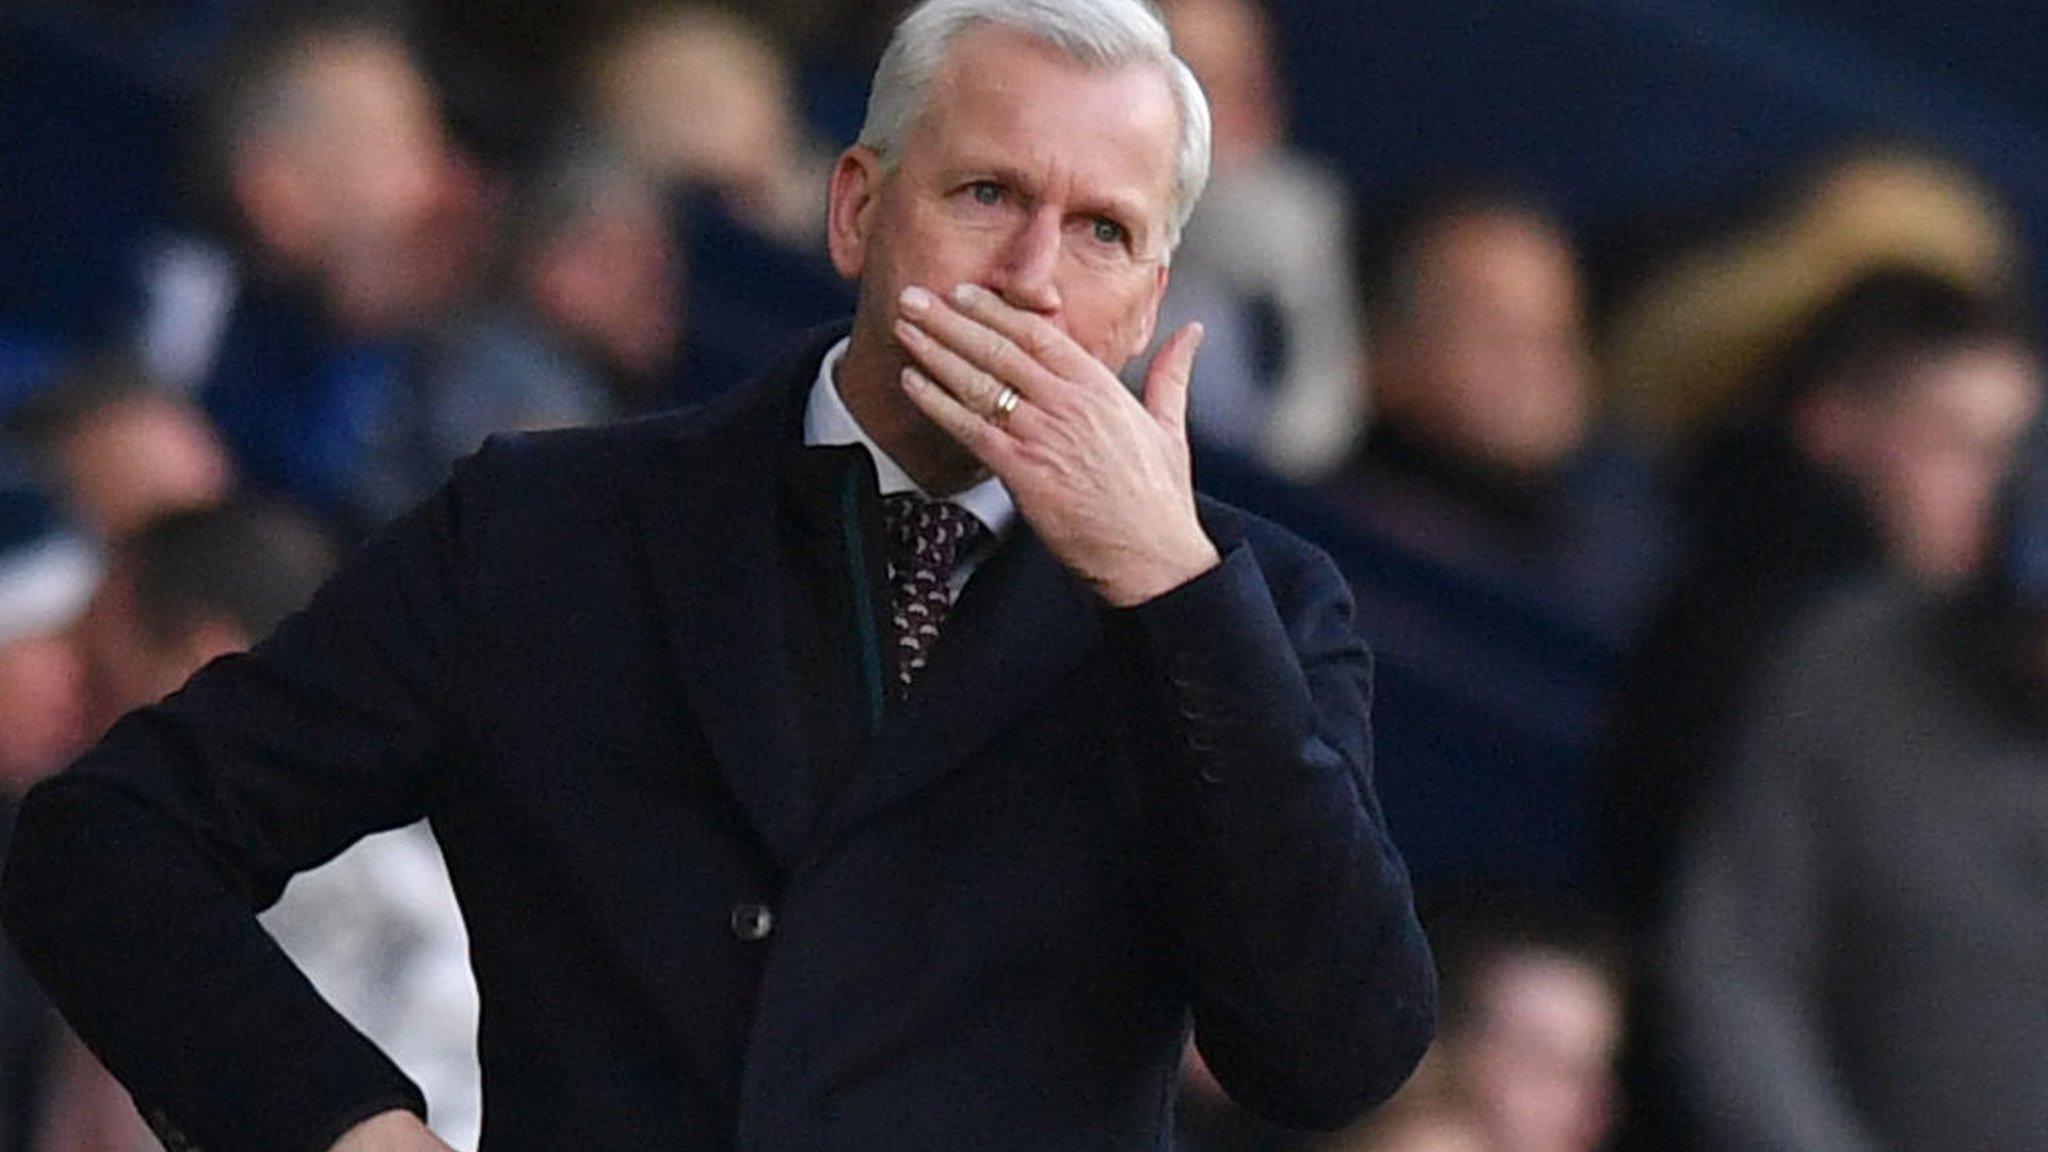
x=751, y=922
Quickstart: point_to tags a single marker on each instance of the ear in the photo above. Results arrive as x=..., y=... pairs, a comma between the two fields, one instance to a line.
x=851, y=201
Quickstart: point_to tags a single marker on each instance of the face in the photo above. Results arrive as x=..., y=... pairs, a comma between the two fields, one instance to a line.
x=42, y=713
x=141, y=458
x=378, y=157
x=363, y=190
x=1539, y=1061
x=1493, y=364
x=613, y=283
x=125, y=666
x=1931, y=456
x=1044, y=182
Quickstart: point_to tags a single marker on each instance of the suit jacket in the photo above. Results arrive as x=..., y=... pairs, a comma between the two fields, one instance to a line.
x=1083, y=829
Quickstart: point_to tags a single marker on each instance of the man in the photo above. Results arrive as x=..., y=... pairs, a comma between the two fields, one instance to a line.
x=737, y=875
x=1487, y=455
x=354, y=223
x=1879, y=449
x=587, y=324
x=1503, y=549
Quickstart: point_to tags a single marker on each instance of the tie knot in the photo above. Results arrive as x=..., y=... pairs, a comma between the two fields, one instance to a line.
x=935, y=532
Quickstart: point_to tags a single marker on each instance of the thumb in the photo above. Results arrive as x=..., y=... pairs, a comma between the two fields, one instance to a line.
x=1166, y=384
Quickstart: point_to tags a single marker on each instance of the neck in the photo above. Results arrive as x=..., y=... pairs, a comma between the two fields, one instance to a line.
x=869, y=381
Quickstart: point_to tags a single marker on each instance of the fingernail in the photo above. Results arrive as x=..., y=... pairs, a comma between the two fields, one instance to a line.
x=914, y=379
x=915, y=300
x=908, y=333
x=968, y=293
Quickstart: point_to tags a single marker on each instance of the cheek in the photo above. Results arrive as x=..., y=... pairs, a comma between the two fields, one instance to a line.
x=1113, y=324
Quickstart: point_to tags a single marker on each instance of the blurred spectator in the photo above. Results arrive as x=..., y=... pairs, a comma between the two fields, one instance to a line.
x=702, y=99
x=1488, y=453
x=190, y=586
x=1860, y=918
x=47, y=573
x=587, y=327
x=358, y=224
x=1692, y=342
x=1530, y=1023
x=1876, y=447
x=376, y=929
x=124, y=450
x=1263, y=263
x=1506, y=547
x=325, y=140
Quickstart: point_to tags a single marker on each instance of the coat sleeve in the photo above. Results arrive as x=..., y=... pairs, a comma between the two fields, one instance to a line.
x=1314, y=994
x=134, y=878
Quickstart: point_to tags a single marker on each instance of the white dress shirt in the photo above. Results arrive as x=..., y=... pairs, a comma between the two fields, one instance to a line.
x=827, y=420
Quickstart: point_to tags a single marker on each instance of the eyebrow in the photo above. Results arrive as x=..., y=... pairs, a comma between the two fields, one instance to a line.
x=1125, y=210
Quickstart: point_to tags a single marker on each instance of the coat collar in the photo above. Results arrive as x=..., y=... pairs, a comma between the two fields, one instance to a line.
x=710, y=523
x=708, y=519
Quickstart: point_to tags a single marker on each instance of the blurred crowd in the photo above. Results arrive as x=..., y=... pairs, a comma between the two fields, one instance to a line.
x=1711, y=615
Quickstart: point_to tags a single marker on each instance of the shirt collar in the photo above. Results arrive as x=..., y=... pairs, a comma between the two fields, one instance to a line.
x=827, y=420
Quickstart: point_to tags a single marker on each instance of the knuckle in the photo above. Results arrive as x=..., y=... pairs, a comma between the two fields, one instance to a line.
x=1036, y=453
x=985, y=389
x=1040, y=337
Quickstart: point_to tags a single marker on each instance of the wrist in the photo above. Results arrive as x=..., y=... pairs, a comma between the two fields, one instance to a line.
x=1161, y=574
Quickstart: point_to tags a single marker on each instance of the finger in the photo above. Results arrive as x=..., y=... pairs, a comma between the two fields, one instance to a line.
x=987, y=349
x=1035, y=336
x=977, y=391
x=991, y=445
x=1166, y=383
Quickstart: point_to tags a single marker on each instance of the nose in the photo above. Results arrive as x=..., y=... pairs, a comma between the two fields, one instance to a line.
x=1025, y=276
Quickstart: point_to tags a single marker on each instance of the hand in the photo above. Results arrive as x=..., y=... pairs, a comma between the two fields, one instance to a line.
x=394, y=1131
x=1103, y=479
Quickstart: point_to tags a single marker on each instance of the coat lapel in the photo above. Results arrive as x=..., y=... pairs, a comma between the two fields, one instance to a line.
x=1022, y=624
x=709, y=521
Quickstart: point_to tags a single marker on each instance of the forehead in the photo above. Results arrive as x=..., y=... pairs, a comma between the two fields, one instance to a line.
x=1004, y=97
x=1503, y=247
x=1987, y=384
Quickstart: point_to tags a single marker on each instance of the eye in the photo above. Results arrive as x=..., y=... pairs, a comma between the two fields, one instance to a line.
x=1107, y=231
x=985, y=192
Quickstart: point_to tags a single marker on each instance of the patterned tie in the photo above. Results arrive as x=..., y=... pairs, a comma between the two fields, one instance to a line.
x=926, y=539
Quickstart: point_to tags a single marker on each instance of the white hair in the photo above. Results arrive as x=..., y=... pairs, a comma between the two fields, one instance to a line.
x=1093, y=33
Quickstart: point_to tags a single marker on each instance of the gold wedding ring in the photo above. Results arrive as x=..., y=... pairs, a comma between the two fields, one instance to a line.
x=1006, y=404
